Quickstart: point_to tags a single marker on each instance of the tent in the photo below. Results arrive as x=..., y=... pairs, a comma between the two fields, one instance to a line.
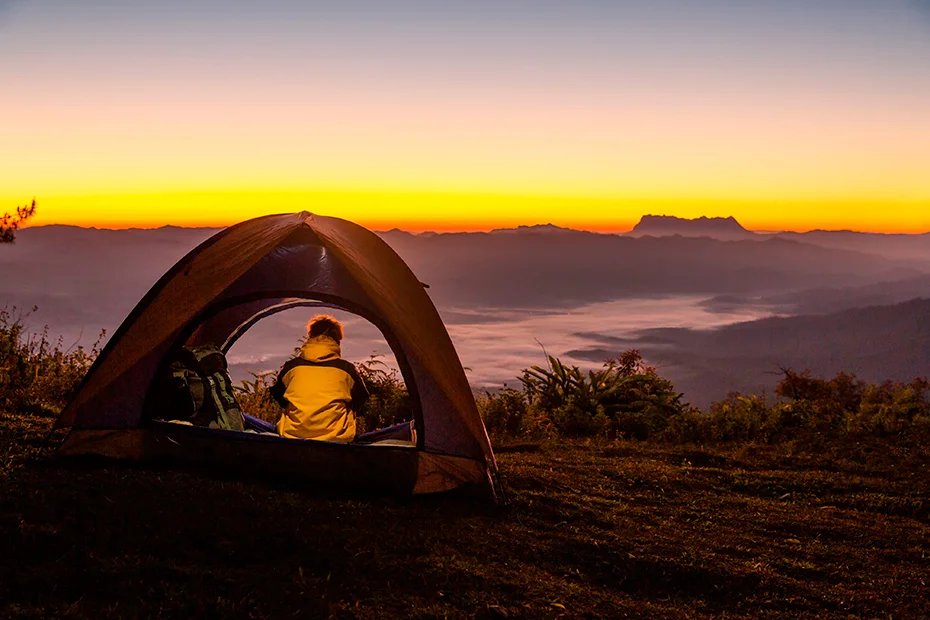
x=252, y=270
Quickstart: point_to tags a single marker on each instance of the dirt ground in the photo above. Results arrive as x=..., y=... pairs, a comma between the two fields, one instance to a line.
x=593, y=529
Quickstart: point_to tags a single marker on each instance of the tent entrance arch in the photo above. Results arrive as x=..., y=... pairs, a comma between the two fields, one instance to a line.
x=224, y=324
x=237, y=276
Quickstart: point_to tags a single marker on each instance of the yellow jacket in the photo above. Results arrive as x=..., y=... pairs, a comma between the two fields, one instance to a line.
x=322, y=393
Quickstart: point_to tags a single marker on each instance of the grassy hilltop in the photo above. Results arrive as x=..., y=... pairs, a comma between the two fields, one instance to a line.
x=624, y=501
x=595, y=528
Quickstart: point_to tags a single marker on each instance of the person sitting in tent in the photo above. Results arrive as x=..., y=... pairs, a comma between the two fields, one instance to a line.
x=321, y=391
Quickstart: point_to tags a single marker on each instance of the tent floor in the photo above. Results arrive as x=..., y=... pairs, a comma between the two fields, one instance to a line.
x=330, y=465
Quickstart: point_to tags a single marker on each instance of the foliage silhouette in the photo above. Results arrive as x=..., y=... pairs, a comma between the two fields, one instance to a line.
x=38, y=375
x=10, y=223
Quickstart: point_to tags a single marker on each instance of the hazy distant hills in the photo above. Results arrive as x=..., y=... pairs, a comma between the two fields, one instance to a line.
x=875, y=343
x=825, y=300
x=71, y=271
x=537, y=267
x=539, y=229
x=88, y=277
x=894, y=246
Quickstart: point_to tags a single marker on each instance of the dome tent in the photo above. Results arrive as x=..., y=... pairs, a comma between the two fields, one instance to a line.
x=249, y=271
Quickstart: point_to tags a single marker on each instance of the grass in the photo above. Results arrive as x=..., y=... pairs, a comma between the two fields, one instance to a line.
x=594, y=529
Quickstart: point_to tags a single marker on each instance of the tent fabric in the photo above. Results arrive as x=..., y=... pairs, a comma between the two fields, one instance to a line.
x=265, y=265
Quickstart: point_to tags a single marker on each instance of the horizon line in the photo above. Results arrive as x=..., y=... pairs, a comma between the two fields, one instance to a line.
x=419, y=229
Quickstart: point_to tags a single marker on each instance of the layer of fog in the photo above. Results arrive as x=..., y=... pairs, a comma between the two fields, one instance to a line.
x=494, y=344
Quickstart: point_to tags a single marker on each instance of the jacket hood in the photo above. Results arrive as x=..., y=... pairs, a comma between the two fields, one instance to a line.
x=320, y=349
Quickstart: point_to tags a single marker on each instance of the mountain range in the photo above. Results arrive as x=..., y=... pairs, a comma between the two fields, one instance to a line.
x=913, y=247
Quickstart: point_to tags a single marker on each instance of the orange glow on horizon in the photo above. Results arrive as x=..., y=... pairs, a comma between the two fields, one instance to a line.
x=460, y=212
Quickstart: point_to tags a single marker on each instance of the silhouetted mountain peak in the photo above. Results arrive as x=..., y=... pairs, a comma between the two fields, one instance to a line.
x=667, y=225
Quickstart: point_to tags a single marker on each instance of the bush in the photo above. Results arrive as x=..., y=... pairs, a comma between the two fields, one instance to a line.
x=36, y=374
x=823, y=409
x=819, y=404
x=739, y=418
x=573, y=420
x=891, y=408
x=10, y=223
x=388, y=401
x=255, y=397
x=505, y=414
x=626, y=398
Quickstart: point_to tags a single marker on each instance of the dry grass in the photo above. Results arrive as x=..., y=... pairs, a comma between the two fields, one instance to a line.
x=594, y=529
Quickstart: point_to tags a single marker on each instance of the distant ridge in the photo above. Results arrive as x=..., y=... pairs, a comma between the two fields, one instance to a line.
x=724, y=228
x=162, y=228
x=545, y=229
x=913, y=248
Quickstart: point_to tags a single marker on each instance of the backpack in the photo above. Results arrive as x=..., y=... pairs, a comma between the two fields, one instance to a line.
x=197, y=389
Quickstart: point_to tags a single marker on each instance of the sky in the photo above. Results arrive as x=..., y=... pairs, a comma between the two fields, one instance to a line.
x=468, y=115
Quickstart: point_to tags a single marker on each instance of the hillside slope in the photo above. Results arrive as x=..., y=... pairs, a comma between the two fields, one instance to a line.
x=594, y=530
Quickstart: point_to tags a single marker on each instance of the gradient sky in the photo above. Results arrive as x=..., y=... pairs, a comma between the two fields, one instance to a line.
x=788, y=114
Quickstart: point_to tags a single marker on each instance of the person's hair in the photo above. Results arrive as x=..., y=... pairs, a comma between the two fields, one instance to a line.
x=325, y=325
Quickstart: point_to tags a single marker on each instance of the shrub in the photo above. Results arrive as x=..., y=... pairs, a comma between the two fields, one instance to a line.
x=255, y=396
x=388, y=400
x=892, y=408
x=505, y=414
x=820, y=404
x=38, y=375
x=817, y=409
x=10, y=223
x=625, y=398
x=509, y=415
x=742, y=418
x=572, y=420
x=643, y=406
x=688, y=426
